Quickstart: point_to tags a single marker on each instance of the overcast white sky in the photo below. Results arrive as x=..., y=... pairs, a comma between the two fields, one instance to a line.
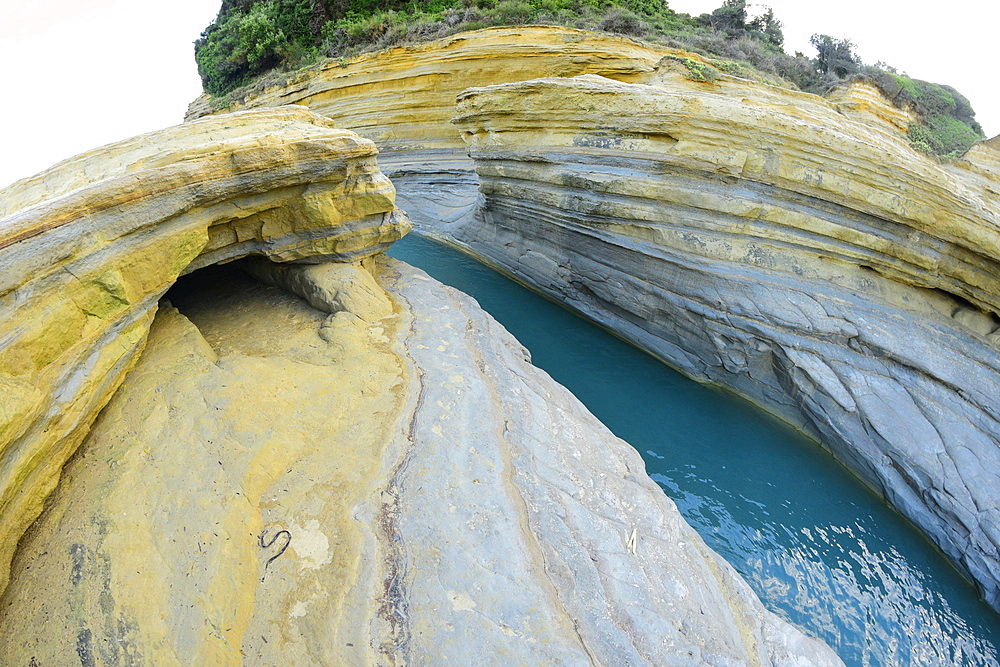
x=81, y=73
x=78, y=74
x=949, y=41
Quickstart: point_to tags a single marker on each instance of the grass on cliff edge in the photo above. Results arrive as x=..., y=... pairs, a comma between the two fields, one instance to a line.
x=251, y=39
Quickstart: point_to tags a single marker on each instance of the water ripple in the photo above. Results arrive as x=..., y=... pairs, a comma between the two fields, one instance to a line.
x=819, y=548
x=841, y=583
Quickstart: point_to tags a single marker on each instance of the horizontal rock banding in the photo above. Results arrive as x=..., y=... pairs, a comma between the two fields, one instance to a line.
x=90, y=245
x=827, y=188
x=404, y=97
x=794, y=250
x=915, y=221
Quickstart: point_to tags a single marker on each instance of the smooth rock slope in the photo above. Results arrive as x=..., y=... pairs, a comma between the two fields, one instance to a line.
x=792, y=248
x=383, y=480
x=89, y=246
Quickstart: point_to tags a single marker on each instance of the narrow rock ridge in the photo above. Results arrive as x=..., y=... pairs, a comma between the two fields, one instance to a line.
x=278, y=484
x=597, y=564
x=794, y=250
x=90, y=245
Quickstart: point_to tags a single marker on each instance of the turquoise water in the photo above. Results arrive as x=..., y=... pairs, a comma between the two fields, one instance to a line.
x=819, y=548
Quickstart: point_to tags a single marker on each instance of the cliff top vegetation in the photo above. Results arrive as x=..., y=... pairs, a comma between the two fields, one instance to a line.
x=251, y=38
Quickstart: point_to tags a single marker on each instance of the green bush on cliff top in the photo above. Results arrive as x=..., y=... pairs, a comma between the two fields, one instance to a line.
x=250, y=38
x=947, y=124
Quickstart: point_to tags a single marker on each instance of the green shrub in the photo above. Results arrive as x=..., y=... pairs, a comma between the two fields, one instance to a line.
x=646, y=7
x=733, y=68
x=622, y=22
x=511, y=12
x=946, y=124
x=943, y=135
x=230, y=53
x=694, y=70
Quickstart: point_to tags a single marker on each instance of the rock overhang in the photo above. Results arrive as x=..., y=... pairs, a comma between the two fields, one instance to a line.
x=90, y=245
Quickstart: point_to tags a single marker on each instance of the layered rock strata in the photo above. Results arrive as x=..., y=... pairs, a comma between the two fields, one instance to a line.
x=791, y=248
x=403, y=99
x=89, y=246
x=383, y=480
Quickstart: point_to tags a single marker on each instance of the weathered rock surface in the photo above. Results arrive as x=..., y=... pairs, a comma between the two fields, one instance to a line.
x=791, y=248
x=89, y=246
x=403, y=99
x=276, y=484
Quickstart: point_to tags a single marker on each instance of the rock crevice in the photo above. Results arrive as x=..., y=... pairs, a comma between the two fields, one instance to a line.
x=777, y=244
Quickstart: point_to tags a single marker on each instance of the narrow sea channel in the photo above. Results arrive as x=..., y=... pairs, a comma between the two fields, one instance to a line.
x=818, y=546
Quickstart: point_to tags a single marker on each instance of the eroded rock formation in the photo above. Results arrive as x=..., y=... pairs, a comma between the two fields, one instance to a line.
x=792, y=248
x=90, y=245
x=404, y=98
x=384, y=480
x=347, y=476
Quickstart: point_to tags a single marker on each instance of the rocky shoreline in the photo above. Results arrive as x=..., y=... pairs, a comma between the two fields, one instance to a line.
x=345, y=463
x=792, y=248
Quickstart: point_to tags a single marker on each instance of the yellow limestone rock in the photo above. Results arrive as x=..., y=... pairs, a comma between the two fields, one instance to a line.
x=409, y=491
x=384, y=480
x=223, y=435
x=865, y=101
x=403, y=98
x=89, y=246
x=983, y=165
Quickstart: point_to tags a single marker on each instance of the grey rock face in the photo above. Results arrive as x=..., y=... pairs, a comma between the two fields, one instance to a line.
x=904, y=401
x=440, y=186
x=830, y=308
x=533, y=534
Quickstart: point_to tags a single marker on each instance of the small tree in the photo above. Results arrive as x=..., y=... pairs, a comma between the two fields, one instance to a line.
x=730, y=18
x=836, y=56
x=767, y=28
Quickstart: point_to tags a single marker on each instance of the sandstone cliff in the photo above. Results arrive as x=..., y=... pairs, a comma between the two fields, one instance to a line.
x=792, y=248
x=90, y=245
x=392, y=483
x=404, y=98
x=340, y=471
